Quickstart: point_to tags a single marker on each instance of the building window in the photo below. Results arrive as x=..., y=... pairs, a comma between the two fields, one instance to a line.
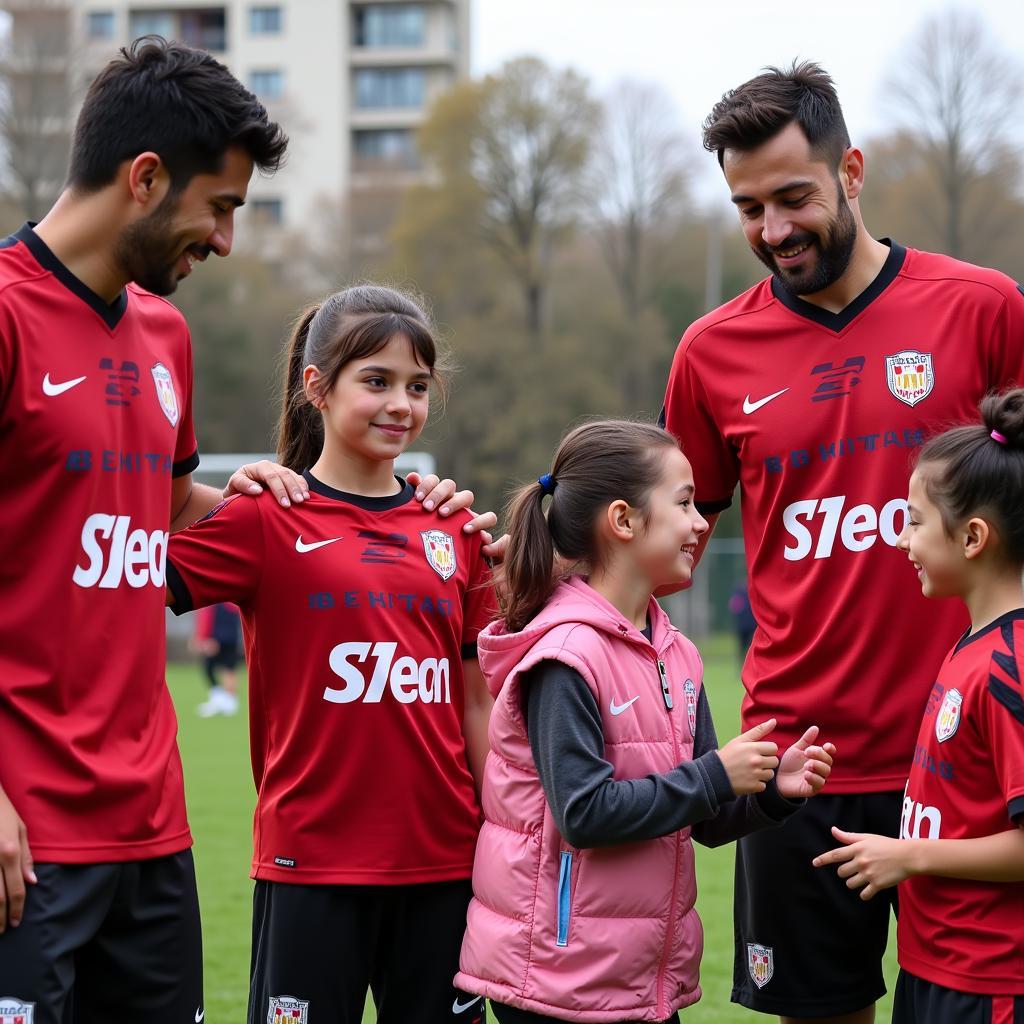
x=392, y=147
x=379, y=25
x=99, y=24
x=264, y=21
x=390, y=87
x=202, y=27
x=268, y=85
x=267, y=211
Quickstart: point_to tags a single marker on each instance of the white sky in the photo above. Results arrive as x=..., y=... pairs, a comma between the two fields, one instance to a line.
x=697, y=49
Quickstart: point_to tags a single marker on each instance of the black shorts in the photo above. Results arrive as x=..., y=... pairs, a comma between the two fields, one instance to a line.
x=805, y=944
x=226, y=657
x=316, y=949
x=107, y=942
x=923, y=1002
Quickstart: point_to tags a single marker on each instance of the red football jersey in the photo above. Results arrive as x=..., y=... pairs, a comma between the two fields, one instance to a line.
x=357, y=614
x=816, y=415
x=95, y=421
x=967, y=781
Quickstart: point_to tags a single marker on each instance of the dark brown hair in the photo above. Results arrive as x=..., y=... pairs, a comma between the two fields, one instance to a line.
x=596, y=464
x=968, y=472
x=180, y=103
x=758, y=110
x=349, y=324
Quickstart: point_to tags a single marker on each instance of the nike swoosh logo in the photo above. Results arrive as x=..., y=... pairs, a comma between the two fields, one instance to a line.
x=52, y=389
x=458, y=1007
x=749, y=406
x=200, y=1014
x=303, y=548
x=617, y=709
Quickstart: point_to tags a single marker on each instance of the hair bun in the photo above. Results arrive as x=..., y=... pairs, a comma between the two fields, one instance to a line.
x=1004, y=413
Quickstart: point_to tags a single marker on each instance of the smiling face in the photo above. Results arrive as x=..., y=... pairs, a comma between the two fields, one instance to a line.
x=159, y=250
x=378, y=404
x=938, y=558
x=664, y=550
x=794, y=210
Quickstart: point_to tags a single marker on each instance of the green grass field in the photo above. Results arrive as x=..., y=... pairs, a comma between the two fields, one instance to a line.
x=220, y=800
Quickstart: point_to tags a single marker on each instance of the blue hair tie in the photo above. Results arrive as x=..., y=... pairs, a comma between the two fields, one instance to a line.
x=547, y=484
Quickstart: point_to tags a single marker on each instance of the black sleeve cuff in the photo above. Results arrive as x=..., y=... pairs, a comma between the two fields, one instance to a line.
x=469, y=652
x=712, y=508
x=186, y=466
x=775, y=805
x=182, y=597
x=718, y=776
x=1016, y=808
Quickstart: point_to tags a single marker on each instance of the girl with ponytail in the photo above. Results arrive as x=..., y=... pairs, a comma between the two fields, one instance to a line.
x=959, y=861
x=368, y=712
x=604, y=759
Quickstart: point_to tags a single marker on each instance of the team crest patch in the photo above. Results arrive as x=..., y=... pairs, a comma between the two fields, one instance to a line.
x=690, y=696
x=760, y=963
x=948, y=718
x=910, y=376
x=288, y=1010
x=165, y=392
x=440, y=551
x=14, y=1011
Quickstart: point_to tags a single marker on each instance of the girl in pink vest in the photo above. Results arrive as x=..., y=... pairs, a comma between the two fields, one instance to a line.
x=603, y=758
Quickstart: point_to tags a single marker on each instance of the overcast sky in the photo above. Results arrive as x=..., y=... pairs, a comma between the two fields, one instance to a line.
x=698, y=50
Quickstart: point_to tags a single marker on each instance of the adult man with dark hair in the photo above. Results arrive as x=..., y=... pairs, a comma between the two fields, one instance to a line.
x=97, y=444
x=811, y=390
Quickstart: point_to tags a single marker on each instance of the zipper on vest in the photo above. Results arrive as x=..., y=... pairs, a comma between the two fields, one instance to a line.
x=564, y=901
x=664, y=685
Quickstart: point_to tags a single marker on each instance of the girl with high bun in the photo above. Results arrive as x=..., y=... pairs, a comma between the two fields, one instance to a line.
x=959, y=861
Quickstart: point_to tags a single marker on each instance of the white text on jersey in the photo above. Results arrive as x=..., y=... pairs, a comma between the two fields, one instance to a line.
x=915, y=816
x=857, y=529
x=137, y=557
x=408, y=679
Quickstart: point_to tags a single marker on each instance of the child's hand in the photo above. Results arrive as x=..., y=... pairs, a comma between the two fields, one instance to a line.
x=804, y=768
x=868, y=862
x=749, y=760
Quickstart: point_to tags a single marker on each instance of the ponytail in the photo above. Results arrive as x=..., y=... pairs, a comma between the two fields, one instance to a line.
x=300, y=432
x=527, y=572
x=595, y=464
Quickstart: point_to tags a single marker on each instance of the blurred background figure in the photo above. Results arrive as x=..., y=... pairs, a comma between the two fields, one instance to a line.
x=742, y=618
x=216, y=640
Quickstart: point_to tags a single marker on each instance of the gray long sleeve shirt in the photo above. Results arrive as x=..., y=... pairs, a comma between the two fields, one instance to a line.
x=592, y=809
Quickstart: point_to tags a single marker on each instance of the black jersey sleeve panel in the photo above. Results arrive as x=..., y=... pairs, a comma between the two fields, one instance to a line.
x=1016, y=809
x=177, y=586
x=712, y=508
x=186, y=466
x=469, y=652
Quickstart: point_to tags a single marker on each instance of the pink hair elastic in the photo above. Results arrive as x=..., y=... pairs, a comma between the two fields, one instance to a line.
x=996, y=436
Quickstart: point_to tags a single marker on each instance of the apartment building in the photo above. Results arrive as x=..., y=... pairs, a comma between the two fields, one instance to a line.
x=351, y=80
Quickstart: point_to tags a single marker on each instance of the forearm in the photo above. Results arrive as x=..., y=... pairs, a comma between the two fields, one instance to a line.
x=996, y=858
x=199, y=500
x=475, y=719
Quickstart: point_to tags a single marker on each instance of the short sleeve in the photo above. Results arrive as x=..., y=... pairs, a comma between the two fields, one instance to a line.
x=687, y=416
x=186, y=450
x=1002, y=728
x=219, y=558
x=481, y=603
x=1007, y=342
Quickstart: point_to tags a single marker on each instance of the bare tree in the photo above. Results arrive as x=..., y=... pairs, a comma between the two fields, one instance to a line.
x=35, y=102
x=638, y=181
x=956, y=93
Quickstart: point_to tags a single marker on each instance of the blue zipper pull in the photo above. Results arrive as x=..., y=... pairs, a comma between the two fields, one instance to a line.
x=664, y=685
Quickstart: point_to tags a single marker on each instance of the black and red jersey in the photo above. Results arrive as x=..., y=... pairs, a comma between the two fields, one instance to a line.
x=817, y=416
x=95, y=422
x=967, y=781
x=357, y=614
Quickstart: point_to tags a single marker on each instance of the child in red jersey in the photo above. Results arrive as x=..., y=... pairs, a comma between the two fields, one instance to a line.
x=959, y=860
x=604, y=758
x=368, y=713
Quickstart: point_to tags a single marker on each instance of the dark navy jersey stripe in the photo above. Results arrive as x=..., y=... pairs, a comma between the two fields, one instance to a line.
x=1008, y=697
x=186, y=466
x=1004, y=622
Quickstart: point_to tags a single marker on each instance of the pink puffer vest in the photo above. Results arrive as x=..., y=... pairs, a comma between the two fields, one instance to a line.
x=605, y=934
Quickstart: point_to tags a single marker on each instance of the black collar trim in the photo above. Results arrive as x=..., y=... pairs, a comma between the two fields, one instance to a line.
x=385, y=504
x=839, y=321
x=110, y=313
x=969, y=637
